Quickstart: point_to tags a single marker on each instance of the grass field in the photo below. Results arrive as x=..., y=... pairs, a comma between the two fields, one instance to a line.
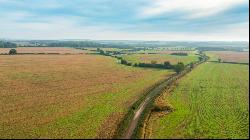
x=60, y=50
x=229, y=56
x=67, y=96
x=167, y=51
x=210, y=102
x=160, y=58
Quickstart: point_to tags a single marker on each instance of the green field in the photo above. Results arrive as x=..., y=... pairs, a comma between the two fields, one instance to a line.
x=210, y=102
x=160, y=58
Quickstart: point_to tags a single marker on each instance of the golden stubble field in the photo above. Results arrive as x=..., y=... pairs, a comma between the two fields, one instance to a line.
x=230, y=56
x=35, y=50
x=67, y=96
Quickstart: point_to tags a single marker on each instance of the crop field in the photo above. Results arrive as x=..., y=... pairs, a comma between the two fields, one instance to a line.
x=160, y=58
x=68, y=96
x=230, y=56
x=4, y=50
x=210, y=102
x=166, y=51
x=60, y=50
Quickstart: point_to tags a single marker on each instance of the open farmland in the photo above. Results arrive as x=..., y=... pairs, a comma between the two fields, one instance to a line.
x=230, y=56
x=160, y=58
x=45, y=50
x=210, y=102
x=67, y=96
x=166, y=51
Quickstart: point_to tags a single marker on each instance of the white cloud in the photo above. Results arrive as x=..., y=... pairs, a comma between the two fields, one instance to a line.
x=193, y=8
x=58, y=28
x=23, y=25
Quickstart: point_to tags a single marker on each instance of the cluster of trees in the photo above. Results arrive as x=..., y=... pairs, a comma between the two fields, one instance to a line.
x=180, y=53
x=4, y=44
x=102, y=52
x=153, y=64
x=12, y=52
x=166, y=65
x=107, y=53
x=124, y=62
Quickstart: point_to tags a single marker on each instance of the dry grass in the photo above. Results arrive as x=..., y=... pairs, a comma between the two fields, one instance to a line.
x=230, y=56
x=170, y=52
x=4, y=50
x=60, y=50
x=66, y=96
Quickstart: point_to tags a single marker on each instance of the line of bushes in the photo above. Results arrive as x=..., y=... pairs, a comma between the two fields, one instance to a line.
x=166, y=65
x=180, y=54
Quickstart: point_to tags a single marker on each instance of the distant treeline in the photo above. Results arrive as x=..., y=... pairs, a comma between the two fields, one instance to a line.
x=185, y=45
x=5, y=44
x=77, y=44
x=74, y=44
x=140, y=45
x=219, y=49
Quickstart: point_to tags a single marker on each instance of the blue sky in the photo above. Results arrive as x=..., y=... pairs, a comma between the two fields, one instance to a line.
x=125, y=19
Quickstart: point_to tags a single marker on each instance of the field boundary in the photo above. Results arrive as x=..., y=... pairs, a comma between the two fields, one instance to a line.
x=45, y=54
x=230, y=62
x=128, y=117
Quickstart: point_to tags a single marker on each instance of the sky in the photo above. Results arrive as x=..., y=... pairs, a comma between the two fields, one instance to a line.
x=168, y=20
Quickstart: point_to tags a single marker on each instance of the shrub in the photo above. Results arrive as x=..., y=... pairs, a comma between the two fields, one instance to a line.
x=12, y=52
x=191, y=65
x=200, y=58
x=124, y=62
x=129, y=64
x=167, y=65
x=179, y=67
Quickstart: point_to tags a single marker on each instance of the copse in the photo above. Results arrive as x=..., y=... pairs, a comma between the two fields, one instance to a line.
x=12, y=52
x=124, y=62
x=179, y=67
x=167, y=65
x=200, y=58
x=192, y=65
x=180, y=53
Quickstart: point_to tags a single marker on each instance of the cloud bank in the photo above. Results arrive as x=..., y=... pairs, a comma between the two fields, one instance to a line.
x=125, y=19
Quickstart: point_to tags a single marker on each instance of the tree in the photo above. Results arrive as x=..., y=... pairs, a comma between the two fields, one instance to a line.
x=12, y=52
x=200, y=58
x=124, y=62
x=179, y=67
x=192, y=65
x=102, y=52
x=129, y=64
x=98, y=49
x=167, y=64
